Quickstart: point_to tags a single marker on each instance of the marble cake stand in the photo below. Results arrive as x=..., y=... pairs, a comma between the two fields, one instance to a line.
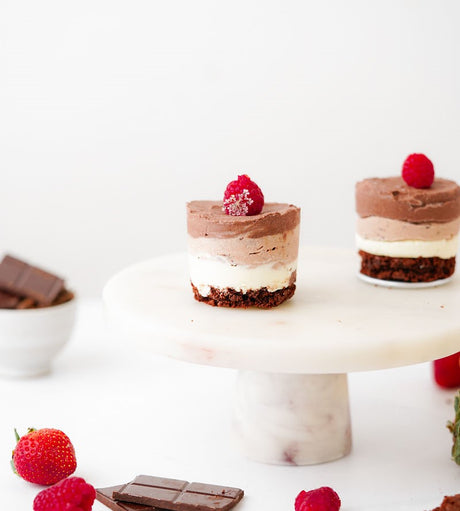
x=291, y=403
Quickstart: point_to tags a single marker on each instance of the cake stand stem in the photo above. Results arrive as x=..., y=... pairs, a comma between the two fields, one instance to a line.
x=292, y=419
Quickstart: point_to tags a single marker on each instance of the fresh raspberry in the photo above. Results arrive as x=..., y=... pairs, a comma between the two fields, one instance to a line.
x=299, y=500
x=44, y=456
x=418, y=171
x=243, y=197
x=72, y=494
x=446, y=371
x=321, y=499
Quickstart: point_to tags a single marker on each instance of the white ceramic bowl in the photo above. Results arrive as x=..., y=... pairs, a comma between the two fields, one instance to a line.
x=31, y=338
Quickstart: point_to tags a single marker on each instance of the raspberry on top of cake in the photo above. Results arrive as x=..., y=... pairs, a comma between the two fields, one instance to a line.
x=242, y=251
x=408, y=225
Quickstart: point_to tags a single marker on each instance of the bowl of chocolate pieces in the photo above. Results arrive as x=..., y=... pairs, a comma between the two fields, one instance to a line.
x=37, y=315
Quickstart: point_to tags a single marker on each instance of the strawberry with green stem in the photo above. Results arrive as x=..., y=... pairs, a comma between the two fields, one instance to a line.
x=44, y=456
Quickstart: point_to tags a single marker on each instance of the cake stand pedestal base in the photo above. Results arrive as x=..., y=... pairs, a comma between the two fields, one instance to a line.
x=292, y=419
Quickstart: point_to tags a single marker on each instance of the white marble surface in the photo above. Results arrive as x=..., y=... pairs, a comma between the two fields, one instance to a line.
x=129, y=411
x=334, y=323
x=292, y=419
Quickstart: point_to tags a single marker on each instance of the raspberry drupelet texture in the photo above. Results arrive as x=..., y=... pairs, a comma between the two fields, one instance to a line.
x=72, y=494
x=320, y=499
x=418, y=171
x=243, y=197
x=44, y=456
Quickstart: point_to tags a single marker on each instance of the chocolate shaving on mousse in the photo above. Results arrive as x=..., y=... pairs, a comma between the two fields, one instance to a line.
x=406, y=269
x=261, y=298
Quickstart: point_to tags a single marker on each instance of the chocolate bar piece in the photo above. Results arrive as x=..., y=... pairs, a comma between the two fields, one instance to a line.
x=8, y=301
x=19, y=278
x=177, y=495
x=104, y=496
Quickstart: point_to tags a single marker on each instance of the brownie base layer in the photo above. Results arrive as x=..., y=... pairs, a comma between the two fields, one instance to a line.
x=406, y=269
x=261, y=298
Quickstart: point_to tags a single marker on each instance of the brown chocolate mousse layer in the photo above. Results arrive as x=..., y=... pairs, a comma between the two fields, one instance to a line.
x=207, y=219
x=277, y=249
x=406, y=269
x=261, y=298
x=392, y=198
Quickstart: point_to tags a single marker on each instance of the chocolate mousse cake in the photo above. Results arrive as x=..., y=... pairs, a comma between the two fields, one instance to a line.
x=406, y=232
x=242, y=258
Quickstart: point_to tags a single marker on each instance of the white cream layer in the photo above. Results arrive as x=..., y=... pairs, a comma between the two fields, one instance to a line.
x=207, y=272
x=444, y=249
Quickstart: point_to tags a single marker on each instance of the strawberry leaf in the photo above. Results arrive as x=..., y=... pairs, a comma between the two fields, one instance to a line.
x=454, y=428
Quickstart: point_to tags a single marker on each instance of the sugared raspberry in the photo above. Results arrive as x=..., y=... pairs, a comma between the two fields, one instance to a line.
x=243, y=197
x=418, y=171
x=71, y=494
x=321, y=499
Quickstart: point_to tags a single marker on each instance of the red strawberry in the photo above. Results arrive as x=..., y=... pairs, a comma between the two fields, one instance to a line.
x=418, y=171
x=72, y=494
x=44, y=456
x=243, y=197
x=446, y=371
x=320, y=499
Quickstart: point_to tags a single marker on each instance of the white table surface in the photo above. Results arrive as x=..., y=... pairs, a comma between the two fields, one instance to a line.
x=128, y=411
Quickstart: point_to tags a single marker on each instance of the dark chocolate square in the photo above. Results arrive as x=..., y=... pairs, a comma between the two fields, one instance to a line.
x=19, y=278
x=105, y=496
x=178, y=495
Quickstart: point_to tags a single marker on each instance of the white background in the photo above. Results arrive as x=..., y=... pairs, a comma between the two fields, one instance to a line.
x=114, y=113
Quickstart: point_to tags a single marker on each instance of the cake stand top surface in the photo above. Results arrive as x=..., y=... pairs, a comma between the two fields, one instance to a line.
x=335, y=323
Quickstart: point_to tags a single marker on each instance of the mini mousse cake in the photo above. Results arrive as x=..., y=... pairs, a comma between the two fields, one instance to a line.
x=242, y=252
x=408, y=226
